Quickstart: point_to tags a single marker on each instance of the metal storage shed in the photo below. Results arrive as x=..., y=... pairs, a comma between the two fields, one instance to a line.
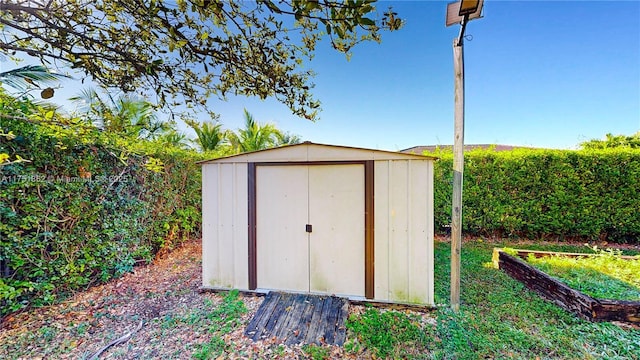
x=321, y=219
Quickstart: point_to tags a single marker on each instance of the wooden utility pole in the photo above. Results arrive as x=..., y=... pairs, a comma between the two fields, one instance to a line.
x=458, y=169
x=459, y=12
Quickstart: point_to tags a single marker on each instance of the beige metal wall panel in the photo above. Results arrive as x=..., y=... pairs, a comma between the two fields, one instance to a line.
x=336, y=212
x=420, y=243
x=404, y=231
x=224, y=234
x=281, y=242
x=285, y=154
x=328, y=153
x=210, y=264
x=399, y=259
x=430, y=234
x=240, y=229
x=381, y=231
x=225, y=225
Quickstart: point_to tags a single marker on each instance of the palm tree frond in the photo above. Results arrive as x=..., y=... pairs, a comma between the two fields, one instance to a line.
x=255, y=136
x=210, y=136
x=127, y=115
x=25, y=77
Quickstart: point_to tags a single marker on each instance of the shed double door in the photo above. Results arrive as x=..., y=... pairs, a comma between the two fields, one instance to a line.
x=310, y=228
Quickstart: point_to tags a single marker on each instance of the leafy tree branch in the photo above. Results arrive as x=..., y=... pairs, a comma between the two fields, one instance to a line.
x=187, y=51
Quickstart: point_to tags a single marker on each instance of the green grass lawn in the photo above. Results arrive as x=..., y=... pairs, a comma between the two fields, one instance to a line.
x=498, y=318
x=603, y=276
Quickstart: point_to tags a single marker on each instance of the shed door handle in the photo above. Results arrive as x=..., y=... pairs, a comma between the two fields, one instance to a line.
x=308, y=228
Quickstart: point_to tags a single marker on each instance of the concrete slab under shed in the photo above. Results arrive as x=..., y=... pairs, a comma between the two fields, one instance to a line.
x=300, y=319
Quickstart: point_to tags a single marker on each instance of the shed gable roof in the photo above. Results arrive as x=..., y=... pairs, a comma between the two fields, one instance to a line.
x=308, y=151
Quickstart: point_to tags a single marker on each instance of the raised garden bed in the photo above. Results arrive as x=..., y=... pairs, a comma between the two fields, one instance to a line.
x=562, y=295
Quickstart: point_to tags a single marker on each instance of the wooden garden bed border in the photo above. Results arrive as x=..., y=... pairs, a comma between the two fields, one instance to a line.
x=560, y=294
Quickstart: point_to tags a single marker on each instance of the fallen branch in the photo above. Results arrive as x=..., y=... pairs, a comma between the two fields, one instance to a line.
x=117, y=341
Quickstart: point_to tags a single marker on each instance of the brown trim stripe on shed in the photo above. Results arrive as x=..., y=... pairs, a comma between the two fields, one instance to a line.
x=369, y=283
x=253, y=272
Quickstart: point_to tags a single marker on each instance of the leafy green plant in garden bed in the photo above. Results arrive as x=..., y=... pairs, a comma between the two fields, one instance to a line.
x=604, y=275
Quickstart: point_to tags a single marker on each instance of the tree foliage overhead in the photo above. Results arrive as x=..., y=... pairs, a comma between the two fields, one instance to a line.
x=189, y=50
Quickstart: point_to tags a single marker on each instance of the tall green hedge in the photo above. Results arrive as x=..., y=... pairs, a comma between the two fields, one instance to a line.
x=87, y=207
x=586, y=194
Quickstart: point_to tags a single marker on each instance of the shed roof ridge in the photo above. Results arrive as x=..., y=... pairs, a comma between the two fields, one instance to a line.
x=308, y=144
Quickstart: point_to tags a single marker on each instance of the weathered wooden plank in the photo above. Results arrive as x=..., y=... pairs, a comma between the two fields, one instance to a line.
x=257, y=325
x=297, y=326
x=257, y=317
x=263, y=314
x=334, y=319
x=291, y=317
x=562, y=295
x=311, y=302
x=288, y=300
x=315, y=335
x=548, y=287
x=539, y=253
x=285, y=300
x=330, y=318
x=341, y=329
x=300, y=318
x=618, y=310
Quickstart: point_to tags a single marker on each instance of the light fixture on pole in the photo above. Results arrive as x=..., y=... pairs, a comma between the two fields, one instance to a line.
x=459, y=12
x=468, y=7
x=456, y=11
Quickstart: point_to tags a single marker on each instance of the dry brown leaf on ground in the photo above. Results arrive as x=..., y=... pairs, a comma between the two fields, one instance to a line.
x=164, y=295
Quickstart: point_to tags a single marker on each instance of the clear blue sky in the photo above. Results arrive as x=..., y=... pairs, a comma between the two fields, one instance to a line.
x=538, y=73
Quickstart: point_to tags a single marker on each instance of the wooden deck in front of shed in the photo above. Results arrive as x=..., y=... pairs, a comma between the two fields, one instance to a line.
x=300, y=319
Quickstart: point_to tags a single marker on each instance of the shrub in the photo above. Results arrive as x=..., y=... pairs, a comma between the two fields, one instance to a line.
x=87, y=206
x=586, y=194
